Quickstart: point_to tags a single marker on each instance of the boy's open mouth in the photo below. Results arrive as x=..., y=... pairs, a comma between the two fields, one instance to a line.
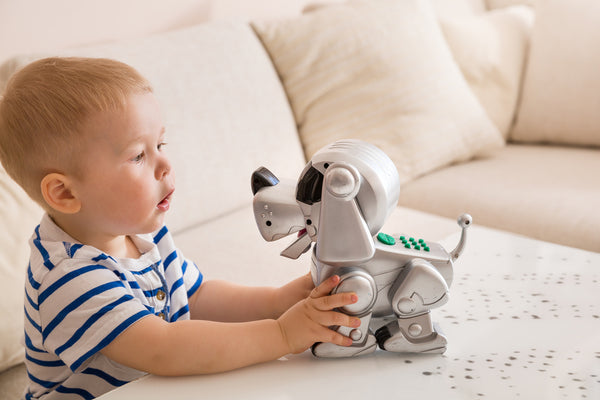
x=166, y=202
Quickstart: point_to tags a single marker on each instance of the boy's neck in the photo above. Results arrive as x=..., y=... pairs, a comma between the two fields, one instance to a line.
x=120, y=246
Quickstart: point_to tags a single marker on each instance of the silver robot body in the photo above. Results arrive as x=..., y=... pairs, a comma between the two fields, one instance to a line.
x=337, y=206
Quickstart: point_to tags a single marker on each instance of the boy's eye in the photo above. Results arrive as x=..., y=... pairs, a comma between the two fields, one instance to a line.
x=161, y=145
x=138, y=158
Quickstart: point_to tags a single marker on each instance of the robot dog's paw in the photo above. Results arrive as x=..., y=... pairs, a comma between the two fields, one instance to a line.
x=329, y=350
x=391, y=338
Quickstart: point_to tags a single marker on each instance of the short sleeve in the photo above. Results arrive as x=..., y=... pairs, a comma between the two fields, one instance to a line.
x=83, y=308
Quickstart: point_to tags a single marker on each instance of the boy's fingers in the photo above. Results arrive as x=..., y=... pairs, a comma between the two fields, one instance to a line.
x=331, y=318
x=325, y=288
x=334, y=301
x=334, y=337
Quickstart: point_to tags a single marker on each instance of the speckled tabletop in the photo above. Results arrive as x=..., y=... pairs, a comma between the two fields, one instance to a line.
x=523, y=322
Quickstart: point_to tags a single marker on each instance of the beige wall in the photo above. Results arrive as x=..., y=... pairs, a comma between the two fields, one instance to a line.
x=41, y=25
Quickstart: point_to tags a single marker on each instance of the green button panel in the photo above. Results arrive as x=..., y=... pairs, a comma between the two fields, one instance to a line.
x=408, y=243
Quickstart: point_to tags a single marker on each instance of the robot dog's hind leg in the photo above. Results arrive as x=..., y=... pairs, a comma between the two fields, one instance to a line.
x=411, y=335
x=418, y=289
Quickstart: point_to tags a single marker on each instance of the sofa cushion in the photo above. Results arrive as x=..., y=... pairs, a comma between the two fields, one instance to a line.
x=380, y=71
x=13, y=382
x=491, y=50
x=224, y=107
x=561, y=93
x=546, y=192
x=18, y=216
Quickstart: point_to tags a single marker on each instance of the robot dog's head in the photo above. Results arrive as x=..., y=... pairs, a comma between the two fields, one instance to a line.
x=342, y=198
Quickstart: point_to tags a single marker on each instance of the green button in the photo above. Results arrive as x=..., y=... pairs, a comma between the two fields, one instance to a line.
x=426, y=248
x=386, y=239
x=421, y=241
x=417, y=247
x=407, y=246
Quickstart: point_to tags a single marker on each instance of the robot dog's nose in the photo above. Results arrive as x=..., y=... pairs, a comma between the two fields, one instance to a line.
x=262, y=177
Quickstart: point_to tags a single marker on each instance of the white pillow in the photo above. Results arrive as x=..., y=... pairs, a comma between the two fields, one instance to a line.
x=561, y=92
x=491, y=49
x=382, y=72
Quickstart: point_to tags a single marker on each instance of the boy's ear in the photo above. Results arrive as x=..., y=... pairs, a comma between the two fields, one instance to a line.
x=56, y=190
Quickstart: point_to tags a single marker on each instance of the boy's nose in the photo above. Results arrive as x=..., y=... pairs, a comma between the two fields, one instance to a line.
x=163, y=168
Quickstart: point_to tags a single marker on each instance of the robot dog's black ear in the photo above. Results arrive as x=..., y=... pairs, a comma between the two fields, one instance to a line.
x=262, y=177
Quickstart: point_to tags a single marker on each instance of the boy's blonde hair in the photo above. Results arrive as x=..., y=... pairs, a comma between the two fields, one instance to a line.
x=45, y=107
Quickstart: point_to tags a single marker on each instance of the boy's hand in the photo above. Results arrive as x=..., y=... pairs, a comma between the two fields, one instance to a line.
x=307, y=321
x=293, y=292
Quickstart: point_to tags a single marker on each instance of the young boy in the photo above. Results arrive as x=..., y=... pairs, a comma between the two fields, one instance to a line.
x=108, y=296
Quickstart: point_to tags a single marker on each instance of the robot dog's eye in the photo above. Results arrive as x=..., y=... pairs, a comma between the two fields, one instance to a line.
x=268, y=223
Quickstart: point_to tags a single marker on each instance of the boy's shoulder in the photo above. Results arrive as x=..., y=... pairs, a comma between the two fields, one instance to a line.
x=54, y=253
x=51, y=247
x=54, y=244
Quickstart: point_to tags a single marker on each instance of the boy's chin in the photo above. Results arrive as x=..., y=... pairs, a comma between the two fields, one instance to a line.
x=155, y=224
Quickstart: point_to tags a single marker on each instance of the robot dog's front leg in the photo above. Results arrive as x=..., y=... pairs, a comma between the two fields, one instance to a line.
x=360, y=282
x=418, y=289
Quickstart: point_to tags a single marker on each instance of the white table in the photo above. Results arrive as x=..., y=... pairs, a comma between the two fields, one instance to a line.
x=523, y=322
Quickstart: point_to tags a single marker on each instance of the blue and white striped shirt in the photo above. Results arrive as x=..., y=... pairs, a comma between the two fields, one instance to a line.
x=78, y=299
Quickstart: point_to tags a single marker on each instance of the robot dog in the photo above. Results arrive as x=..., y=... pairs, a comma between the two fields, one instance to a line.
x=340, y=202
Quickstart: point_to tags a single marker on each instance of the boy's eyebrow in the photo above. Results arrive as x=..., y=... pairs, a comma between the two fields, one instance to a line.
x=140, y=138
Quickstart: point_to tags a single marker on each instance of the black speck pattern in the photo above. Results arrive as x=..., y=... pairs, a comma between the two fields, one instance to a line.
x=522, y=322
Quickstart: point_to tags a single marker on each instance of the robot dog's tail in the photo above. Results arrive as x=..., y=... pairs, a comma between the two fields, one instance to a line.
x=464, y=221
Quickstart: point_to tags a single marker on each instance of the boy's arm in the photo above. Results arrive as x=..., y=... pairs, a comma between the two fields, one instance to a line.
x=228, y=302
x=196, y=347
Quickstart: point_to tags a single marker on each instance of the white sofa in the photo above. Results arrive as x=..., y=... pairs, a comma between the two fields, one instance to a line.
x=440, y=95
